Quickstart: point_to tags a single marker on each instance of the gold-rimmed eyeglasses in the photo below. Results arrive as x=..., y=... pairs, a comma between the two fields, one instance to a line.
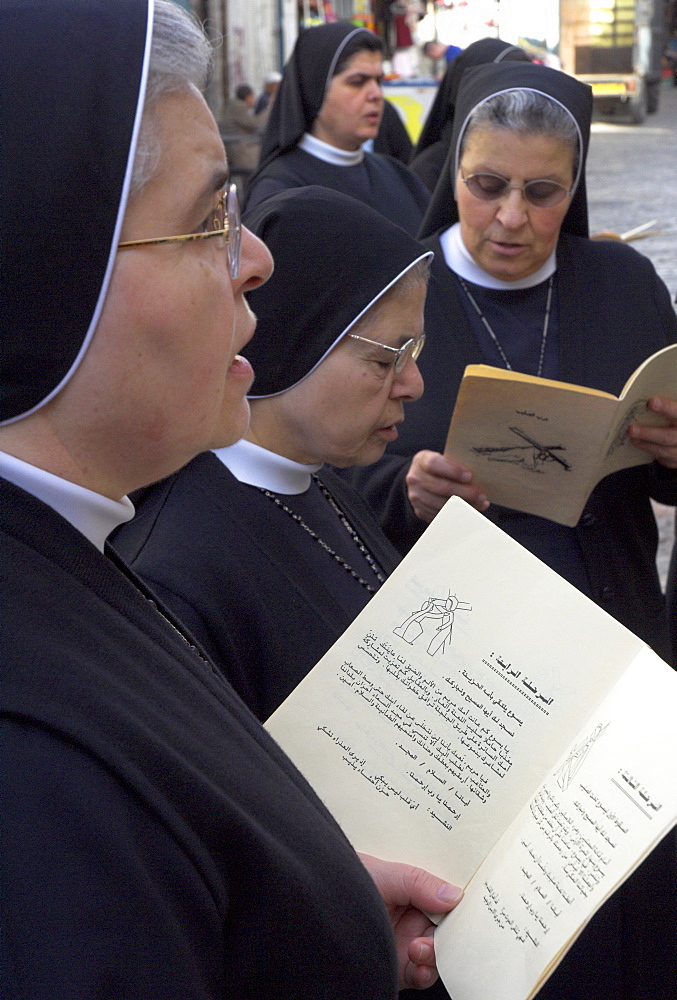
x=223, y=223
x=410, y=349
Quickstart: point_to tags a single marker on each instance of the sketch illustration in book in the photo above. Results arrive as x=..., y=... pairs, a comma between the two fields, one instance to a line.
x=434, y=619
x=576, y=758
x=532, y=456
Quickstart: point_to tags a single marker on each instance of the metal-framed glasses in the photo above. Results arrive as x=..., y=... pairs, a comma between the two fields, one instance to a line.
x=491, y=187
x=223, y=224
x=410, y=349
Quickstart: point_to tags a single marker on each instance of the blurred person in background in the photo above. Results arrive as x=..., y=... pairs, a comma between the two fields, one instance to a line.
x=328, y=105
x=265, y=98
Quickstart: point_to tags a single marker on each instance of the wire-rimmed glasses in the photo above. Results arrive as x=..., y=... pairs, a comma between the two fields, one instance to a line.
x=224, y=223
x=410, y=349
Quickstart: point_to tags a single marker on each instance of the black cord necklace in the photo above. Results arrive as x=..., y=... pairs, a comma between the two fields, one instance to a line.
x=369, y=558
x=493, y=336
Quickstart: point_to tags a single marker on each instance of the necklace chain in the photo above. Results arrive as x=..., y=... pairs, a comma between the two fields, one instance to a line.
x=495, y=339
x=369, y=558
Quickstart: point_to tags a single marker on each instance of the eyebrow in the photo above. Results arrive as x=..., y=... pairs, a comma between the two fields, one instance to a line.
x=359, y=77
x=496, y=173
x=216, y=182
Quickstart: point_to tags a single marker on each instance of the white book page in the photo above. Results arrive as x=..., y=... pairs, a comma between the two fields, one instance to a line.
x=433, y=720
x=608, y=800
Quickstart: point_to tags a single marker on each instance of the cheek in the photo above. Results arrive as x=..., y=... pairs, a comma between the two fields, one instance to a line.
x=368, y=413
x=187, y=315
x=475, y=217
x=548, y=226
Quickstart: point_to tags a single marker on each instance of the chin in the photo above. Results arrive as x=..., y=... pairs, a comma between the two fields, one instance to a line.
x=234, y=425
x=369, y=455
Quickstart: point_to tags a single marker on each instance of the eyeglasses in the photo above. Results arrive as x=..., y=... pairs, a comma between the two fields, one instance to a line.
x=224, y=223
x=411, y=349
x=490, y=187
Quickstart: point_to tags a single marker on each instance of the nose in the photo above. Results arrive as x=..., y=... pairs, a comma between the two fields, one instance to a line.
x=408, y=384
x=512, y=208
x=256, y=263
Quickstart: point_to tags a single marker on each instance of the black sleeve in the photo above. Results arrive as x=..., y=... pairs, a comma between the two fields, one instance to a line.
x=428, y=164
x=99, y=901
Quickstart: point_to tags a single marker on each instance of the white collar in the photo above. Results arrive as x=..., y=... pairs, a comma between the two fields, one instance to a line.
x=331, y=154
x=459, y=260
x=257, y=466
x=91, y=513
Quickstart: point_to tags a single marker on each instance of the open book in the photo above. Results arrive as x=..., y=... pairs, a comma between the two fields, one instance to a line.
x=541, y=446
x=483, y=719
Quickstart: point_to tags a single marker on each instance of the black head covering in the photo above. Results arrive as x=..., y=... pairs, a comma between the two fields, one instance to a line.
x=72, y=78
x=334, y=258
x=438, y=124
x=478, y=85
x=305, y=79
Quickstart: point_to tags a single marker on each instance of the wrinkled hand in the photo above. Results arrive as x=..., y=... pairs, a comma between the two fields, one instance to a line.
x=660, y=442
x=407, y=892
x=432, y=479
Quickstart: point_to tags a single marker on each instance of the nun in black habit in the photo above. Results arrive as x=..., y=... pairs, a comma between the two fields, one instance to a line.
x=518, y=284
x=267, y=554
x=328, y=104
x=152, y=833
x=430, y=152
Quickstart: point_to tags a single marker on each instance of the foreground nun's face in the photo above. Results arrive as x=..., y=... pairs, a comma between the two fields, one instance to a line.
x=509, y=238
x=162, y=379
x=348, y=409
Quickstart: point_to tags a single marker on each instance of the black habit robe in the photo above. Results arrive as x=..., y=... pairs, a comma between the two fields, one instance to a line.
x=383, y=183
x=182, y=855
x=264, y=599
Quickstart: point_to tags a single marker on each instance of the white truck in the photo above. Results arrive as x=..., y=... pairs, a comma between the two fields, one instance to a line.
x=614, y=45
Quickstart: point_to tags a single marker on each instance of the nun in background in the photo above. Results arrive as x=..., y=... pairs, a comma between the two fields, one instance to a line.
x=262, y=551
x=516, y=283
x=328, y=104
x=430, y=153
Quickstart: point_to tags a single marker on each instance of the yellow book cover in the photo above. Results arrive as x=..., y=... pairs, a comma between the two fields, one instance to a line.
x=541, y=446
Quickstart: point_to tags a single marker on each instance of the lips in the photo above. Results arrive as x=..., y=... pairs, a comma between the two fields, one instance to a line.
x=389, y=431
x=511, y=249
x=241, y=368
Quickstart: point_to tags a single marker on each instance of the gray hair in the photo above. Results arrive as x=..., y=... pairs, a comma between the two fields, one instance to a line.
x=181, y=56
x=529, y=112
x=418, y=274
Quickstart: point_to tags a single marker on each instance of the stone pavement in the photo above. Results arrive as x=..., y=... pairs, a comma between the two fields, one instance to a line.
x=632, y=179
